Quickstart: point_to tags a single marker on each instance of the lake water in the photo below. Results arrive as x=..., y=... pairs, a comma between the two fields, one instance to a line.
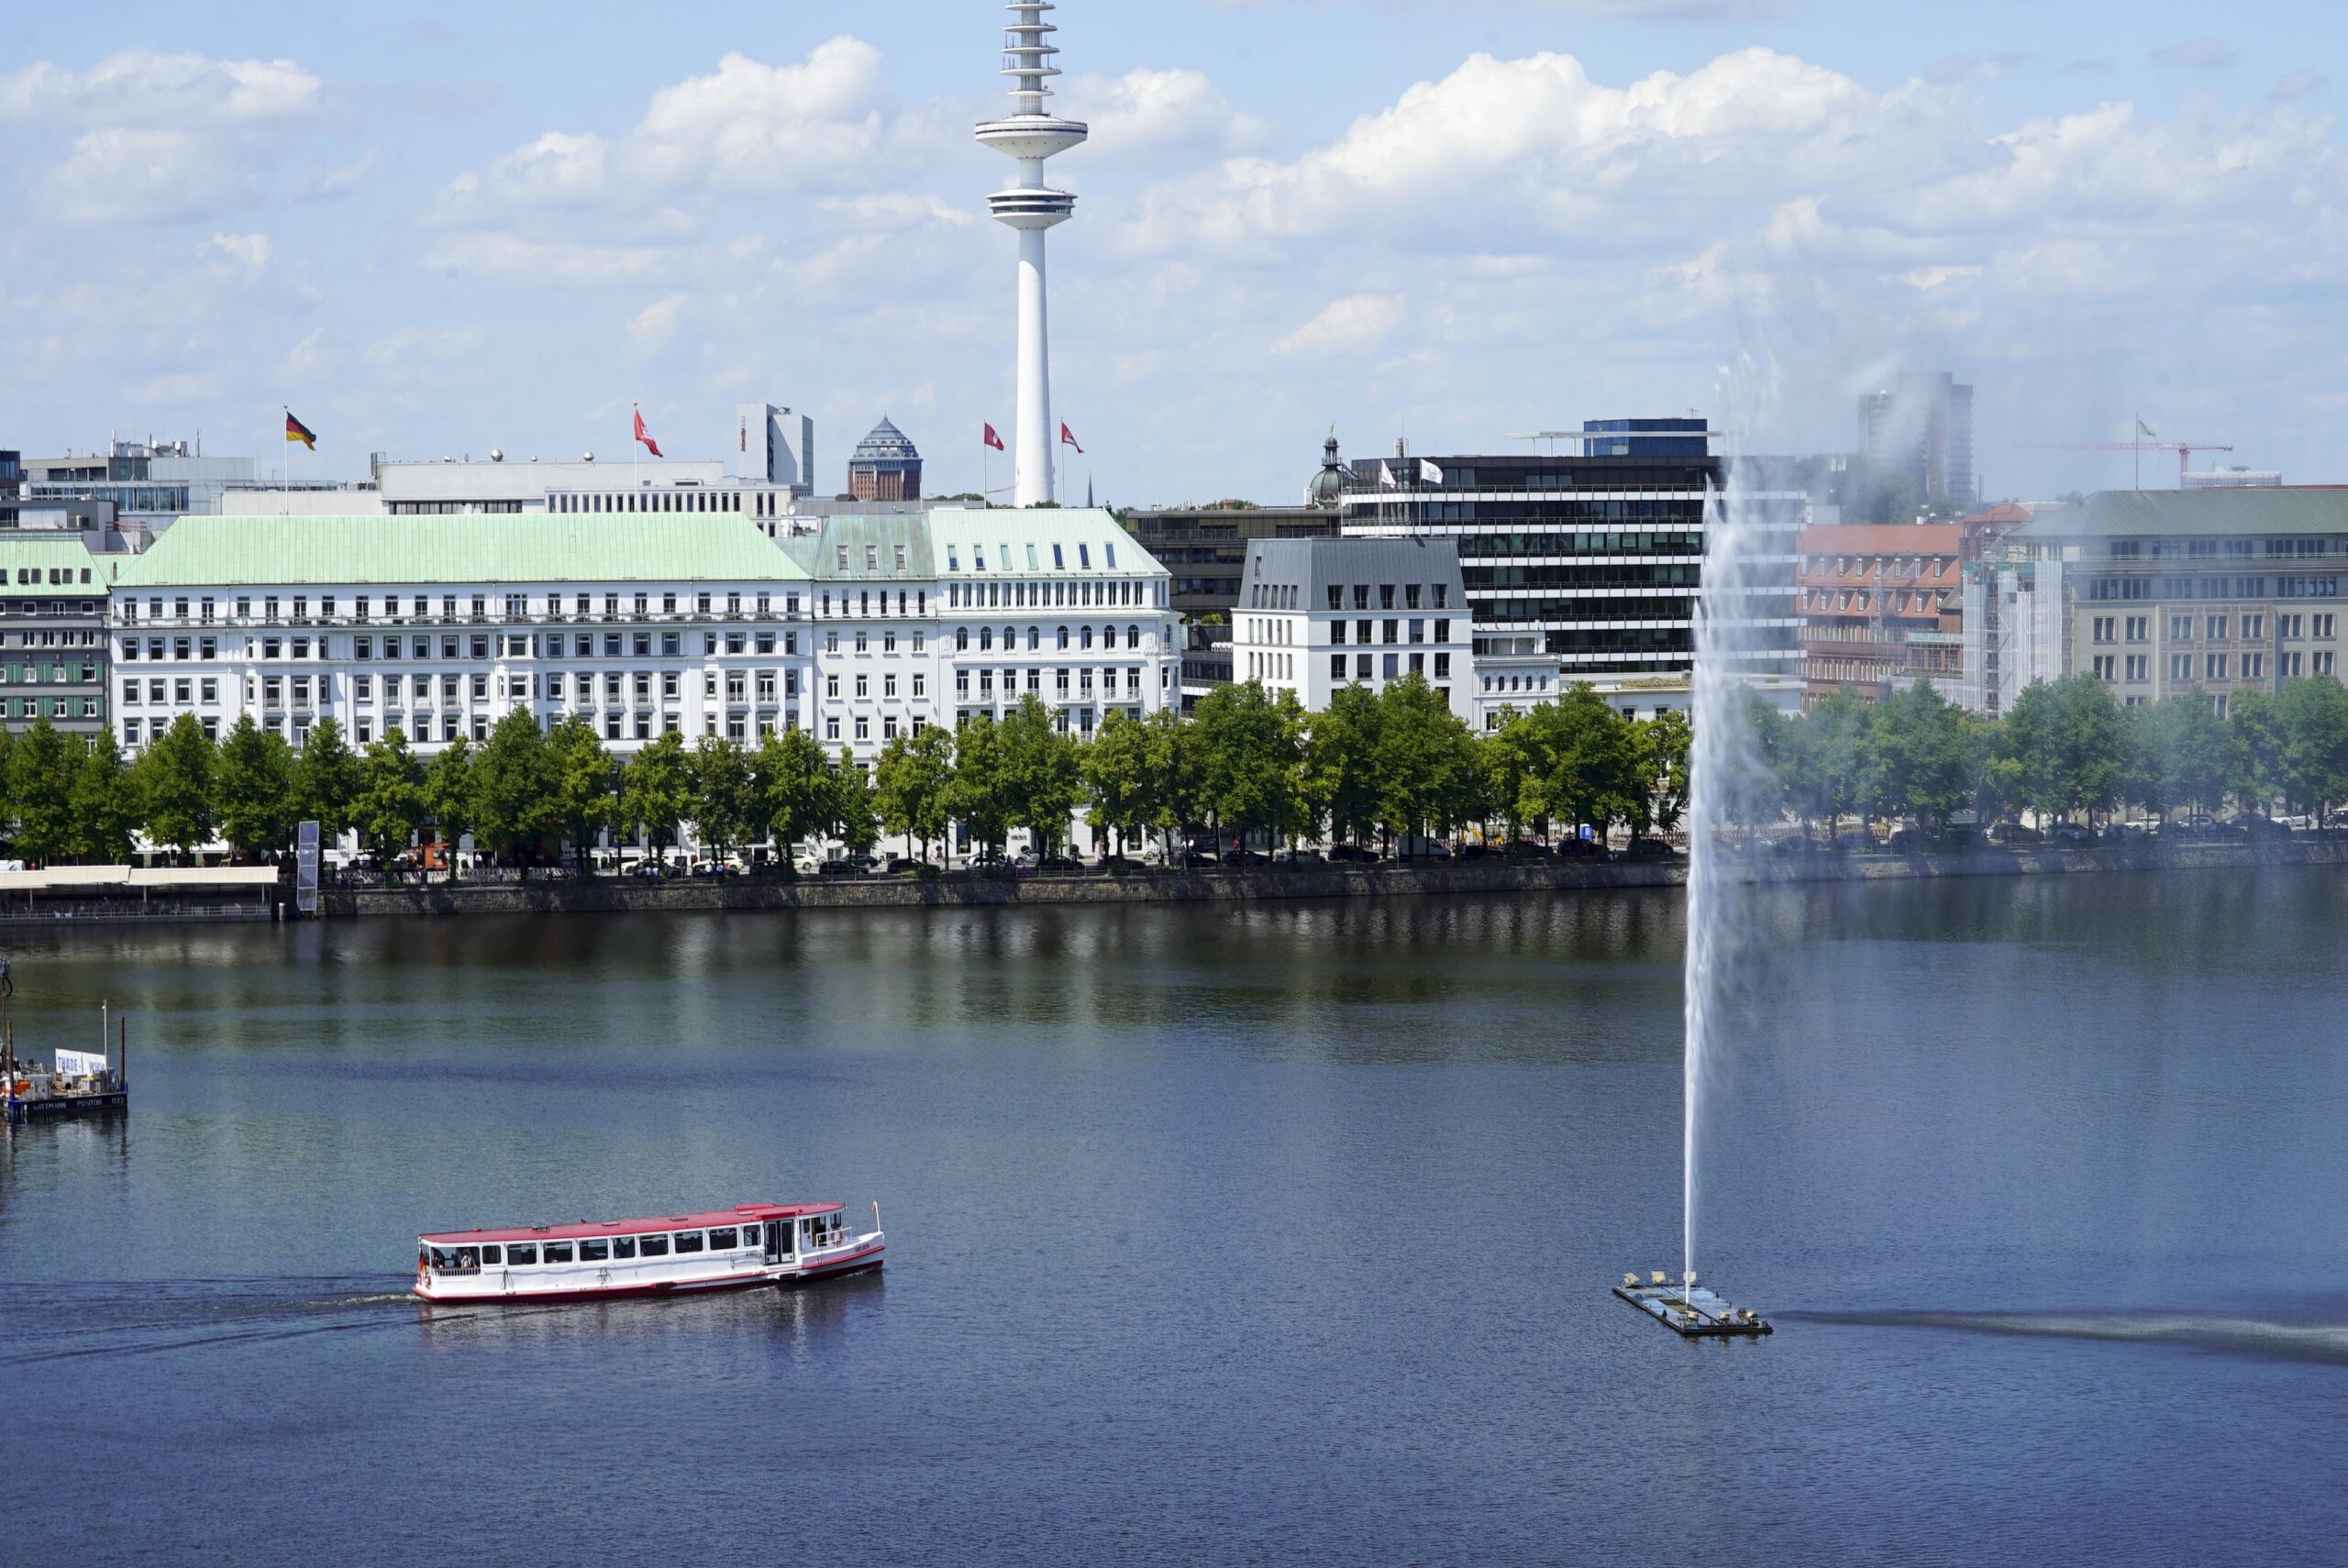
x=1246, y=1235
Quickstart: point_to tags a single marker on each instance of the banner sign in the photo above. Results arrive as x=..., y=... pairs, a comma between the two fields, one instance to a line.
x=76, y=1064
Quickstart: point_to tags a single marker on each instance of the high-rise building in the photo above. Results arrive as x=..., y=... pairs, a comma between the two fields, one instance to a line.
x=775, y=446
x=1923, y=425
x=885, y=466
x=1031, y=135
x=1591, y=568
x=12, y=484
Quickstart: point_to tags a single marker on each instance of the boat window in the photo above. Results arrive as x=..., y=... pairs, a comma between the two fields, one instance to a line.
x=521, y=1253
x=689, y=1241
x=456, y=1260
x=721, y=1241
x=557, y=1252
x=594, y=1252
x=623, y=1246
x=492, y=1254
x=656, y=1246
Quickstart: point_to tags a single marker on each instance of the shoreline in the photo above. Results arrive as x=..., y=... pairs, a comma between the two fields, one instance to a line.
x=617, y=896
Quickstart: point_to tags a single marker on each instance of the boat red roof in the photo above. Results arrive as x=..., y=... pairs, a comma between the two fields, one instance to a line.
x=740, y=1214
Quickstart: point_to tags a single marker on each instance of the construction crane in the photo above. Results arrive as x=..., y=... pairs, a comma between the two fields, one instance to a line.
x=2183, y=449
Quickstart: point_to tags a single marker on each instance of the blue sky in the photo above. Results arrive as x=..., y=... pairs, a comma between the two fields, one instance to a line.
x=441, y=229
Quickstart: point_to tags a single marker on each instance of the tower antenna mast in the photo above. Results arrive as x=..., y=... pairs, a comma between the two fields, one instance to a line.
x=1030, y=136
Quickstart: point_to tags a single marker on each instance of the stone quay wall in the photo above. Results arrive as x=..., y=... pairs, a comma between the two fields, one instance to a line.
x=613, y=895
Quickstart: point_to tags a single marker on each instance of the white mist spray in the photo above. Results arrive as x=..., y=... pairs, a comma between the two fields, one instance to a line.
x=1727, y=773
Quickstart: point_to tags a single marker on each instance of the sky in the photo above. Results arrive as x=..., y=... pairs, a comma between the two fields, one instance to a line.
x=434, y=230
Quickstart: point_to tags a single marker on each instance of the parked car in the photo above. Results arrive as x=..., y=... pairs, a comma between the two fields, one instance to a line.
x=1059, y=863
x=1355, y=853
x=836, y=868
x=651, y=870
x=865, y=863
x=2257, y=826
x=2015, y=832
x=1651, y=849
x=1910, y=841
x=899, y=863
x=1297, y=857
x=2125, y=833
x=2070, y=832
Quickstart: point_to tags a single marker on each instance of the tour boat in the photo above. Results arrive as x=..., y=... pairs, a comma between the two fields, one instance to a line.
x=749, y=1244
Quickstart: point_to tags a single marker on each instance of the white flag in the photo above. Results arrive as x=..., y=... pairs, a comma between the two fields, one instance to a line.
x=1429, y=473
x=1386, y=476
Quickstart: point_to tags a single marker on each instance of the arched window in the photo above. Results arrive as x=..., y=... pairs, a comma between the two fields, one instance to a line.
x=986, y=638
x=1034, y=638
x=1132, y=636
x=961, y=638
x=1063, y=639
x=1009, y=638
x=1084, y=635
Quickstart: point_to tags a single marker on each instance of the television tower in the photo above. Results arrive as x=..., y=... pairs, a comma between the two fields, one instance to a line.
x=1031, y=206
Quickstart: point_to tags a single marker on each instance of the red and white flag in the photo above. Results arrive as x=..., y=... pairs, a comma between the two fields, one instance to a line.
x=1067, y=438
x=992, y=439
x=642, y=436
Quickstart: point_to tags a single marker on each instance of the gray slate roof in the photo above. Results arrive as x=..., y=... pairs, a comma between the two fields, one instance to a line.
x=1311, y=565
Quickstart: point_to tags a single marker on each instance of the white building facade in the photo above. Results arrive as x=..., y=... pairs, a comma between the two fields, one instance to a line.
x=641, y=625
x=1317, y=616
x=940, y=617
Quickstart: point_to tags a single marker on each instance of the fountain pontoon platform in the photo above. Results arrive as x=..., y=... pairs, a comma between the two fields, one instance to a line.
x=1690, y=1310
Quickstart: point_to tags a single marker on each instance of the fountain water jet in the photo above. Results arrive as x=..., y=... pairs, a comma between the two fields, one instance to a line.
x=1728, y=777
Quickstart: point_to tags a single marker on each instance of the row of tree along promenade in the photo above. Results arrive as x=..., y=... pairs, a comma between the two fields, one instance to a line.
x=1247, y=767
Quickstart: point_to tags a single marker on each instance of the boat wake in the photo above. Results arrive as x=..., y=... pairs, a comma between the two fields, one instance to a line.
x=2228, y=1336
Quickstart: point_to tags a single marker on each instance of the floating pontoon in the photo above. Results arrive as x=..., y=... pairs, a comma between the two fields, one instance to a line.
x=1688, y=1309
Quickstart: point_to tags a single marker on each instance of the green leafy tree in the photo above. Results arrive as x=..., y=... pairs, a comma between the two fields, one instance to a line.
x=656, y=789
x=105, y=803
x=1513, y=761
x=254, y=786
x=326, y=780
x=1341, y=762
x=2255, y=752
x=1666, y=741
x=1249, y=747
x=1178, y=788
x=391, y=794
x=173, y=780
x=794, y=787
x=449, y=793
x=912, y=782
x=1045, y=773
x=2314, y=714
x=854, y=816
x=41, y=769
x=580, y=772
x=1118, y=779
x=1920, y=756
x=513, y=803
x=1426, y=763
x=979, y=796
x=725, y=795
x=1592, y=759
x=2199, y=755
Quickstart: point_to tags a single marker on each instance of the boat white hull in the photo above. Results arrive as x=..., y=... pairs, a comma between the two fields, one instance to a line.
x=608, y=1282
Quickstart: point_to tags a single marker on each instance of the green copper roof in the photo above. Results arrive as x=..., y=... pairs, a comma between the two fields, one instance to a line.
x=203, y=552
x=38, y=552
x=1093, y=543
x=883, y=534
x=2173, y=513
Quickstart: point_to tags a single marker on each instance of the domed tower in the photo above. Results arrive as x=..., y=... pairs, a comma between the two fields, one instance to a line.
x=1031, y=206
x=1323, y=488
x=884, y=466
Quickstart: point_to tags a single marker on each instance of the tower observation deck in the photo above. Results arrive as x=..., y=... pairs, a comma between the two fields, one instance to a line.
x=1030, y=136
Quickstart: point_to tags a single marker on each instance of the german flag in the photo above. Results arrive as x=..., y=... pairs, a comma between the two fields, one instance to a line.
x=297, y=431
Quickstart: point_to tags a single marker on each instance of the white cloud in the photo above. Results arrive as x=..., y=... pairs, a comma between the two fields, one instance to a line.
x=310, y=358
x=2198, y=54
x=510, y=258
x=1352, y=325
x=746, y=128
x=652, y=328
x=158, y=137
x=2296, y=84
x=247, y=250
x=414, y=346
x=141, y=87
x=1150, y=112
